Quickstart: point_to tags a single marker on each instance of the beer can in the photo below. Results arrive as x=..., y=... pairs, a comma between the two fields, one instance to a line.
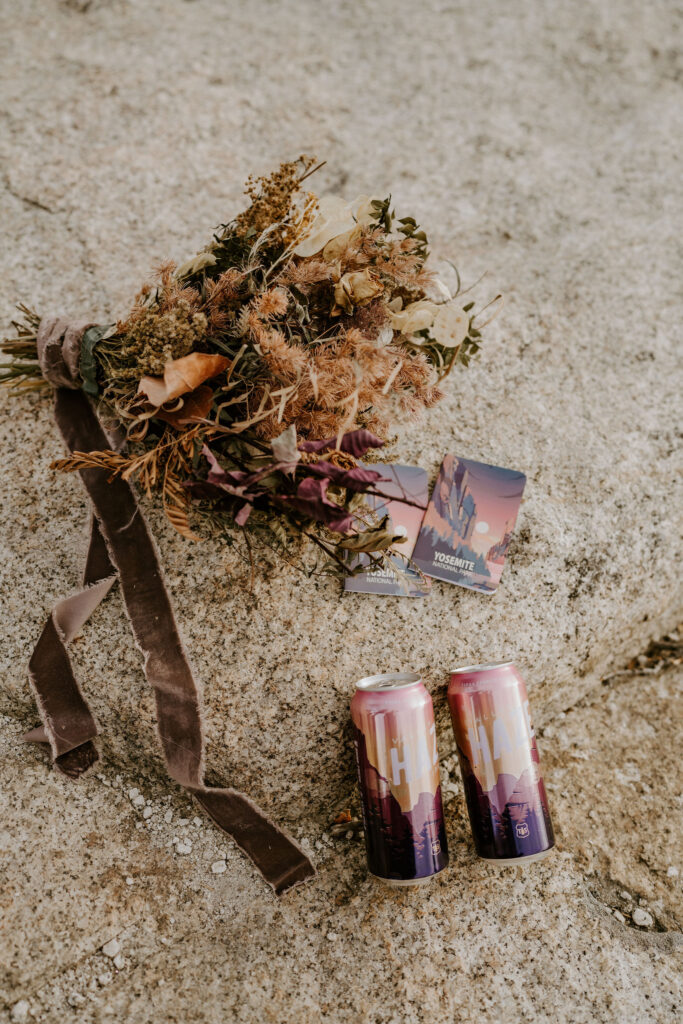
x=505, y=795
x=398, y=775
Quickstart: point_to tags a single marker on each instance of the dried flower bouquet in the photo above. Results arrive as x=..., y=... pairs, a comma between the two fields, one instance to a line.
x=249, y=381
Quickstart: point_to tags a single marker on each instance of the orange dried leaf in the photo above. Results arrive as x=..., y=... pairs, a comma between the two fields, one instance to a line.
x=181, y=376
x=194, y=406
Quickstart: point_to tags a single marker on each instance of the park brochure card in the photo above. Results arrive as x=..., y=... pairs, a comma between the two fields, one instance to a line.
x=403, y=482
x=468, y=525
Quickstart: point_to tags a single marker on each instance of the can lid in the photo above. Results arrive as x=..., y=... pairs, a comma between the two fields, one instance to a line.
x=481, y=668
x=389, y=681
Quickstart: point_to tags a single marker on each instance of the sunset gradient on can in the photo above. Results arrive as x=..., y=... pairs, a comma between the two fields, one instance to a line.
x=398, y=774
x=505, y=795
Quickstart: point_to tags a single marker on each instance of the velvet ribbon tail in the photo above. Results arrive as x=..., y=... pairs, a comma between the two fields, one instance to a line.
x=121, y=545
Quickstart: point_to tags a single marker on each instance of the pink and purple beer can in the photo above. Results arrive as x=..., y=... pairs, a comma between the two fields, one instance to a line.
x=398, y=775
x=505, y=795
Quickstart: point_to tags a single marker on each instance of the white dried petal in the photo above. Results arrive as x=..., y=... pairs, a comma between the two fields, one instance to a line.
x=451, y=325
x=364, y=210
x=336, y=247
x=439, y=291
x=414, y=317
x=334, y=217
x=335, y=221
x=385, y=336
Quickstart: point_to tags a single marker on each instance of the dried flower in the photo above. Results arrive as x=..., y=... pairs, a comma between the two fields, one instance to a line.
x=318, y=324
x=416, y=316
x=334, y=218
x=357, y=288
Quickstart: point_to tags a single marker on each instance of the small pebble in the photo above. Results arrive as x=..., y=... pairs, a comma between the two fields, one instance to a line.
x=619, y=916
x=111, y=948
x=197, y=822
x=138, y=801
x=218, y=867
x=642, y=918
x=168, y=817
x=119, y=962
x=132, y=793
x=185, y=847
x=183, y=821
x=104, y=979
x=130, y=880
x=331, y=936
x=20, y=1010
x=625, y=895
x=672, y=872
x=147, y=813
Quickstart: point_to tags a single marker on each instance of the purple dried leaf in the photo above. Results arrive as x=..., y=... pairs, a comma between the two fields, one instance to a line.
x=311, y=499
x=243, y=514
x=236, y=481
x=356, y=443
x=357, y=479
x=219, y=476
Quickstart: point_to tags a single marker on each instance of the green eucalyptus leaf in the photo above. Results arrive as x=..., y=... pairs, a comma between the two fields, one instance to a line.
x=88, y=365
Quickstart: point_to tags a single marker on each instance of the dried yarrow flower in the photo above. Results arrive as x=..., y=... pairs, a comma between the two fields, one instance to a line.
x=272, y=198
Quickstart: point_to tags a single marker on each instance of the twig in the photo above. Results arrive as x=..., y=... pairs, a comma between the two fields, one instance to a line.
x=312, y=171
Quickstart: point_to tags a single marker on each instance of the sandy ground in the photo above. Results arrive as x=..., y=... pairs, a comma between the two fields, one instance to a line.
x=538, y=144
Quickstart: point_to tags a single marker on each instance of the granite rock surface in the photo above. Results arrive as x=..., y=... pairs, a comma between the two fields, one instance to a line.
x=538, y=145
x=121, y=904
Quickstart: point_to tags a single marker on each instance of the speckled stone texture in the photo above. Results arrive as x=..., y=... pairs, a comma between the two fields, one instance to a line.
x=538, y=143
x=198, y=938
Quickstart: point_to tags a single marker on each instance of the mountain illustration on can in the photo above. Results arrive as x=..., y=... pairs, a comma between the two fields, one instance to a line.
x=398, y=775
x=506, y=797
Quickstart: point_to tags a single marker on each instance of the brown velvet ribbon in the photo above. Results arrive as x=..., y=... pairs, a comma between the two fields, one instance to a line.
x=121, y=546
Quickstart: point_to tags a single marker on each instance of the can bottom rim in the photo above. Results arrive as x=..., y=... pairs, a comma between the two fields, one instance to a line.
x=400, y=882
x=527, y=859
